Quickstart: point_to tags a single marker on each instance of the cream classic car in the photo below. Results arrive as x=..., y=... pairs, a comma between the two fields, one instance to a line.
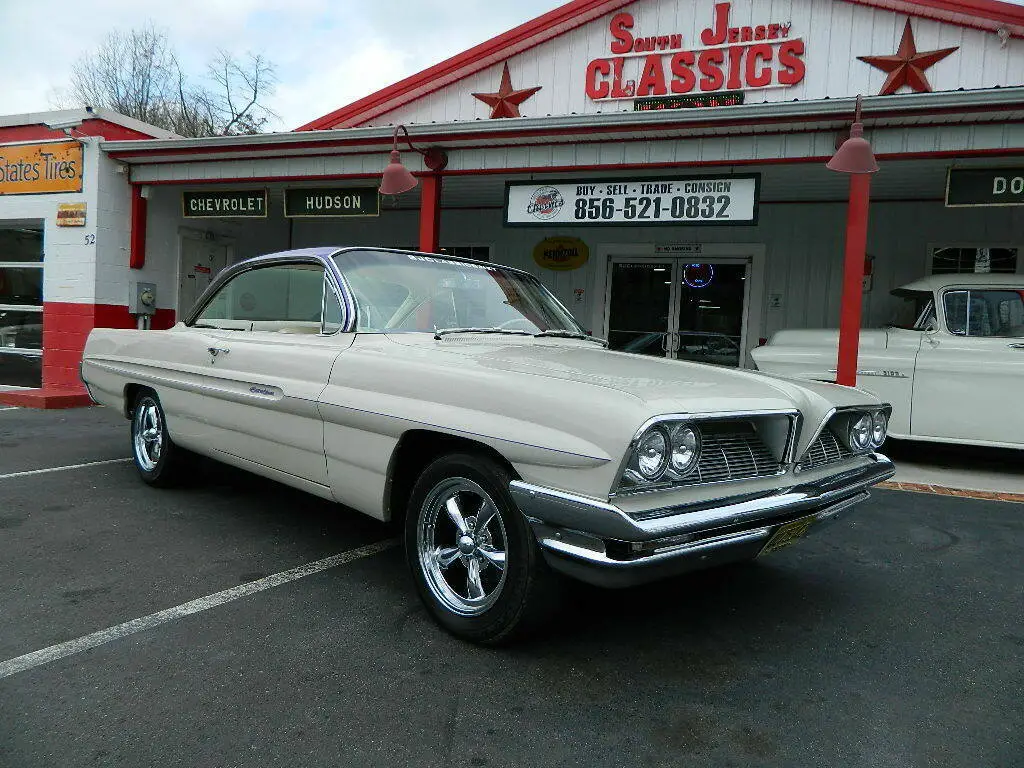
x=462, y=399
x=952, y=365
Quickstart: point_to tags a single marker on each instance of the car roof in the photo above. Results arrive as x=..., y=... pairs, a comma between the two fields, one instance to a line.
x=938, y=282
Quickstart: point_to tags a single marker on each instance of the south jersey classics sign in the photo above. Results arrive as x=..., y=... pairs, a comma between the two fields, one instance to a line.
x=633, y=202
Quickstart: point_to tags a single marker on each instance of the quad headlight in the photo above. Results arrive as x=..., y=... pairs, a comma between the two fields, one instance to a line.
x=685, y=442
x=879, y=428
x=664, y=452
x=652, y=452
x=860, y=432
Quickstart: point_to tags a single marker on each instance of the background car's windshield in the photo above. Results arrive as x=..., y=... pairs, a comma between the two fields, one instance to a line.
x=916, y=312
x=414, y=292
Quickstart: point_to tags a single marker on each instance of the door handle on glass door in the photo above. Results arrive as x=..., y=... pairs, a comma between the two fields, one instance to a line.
x=664, y=342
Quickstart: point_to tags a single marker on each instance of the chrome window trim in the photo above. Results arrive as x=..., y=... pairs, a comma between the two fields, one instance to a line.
x=920, y=324
x=967, y=322
x=21, y=351
x=787, y=454
x=331, y=271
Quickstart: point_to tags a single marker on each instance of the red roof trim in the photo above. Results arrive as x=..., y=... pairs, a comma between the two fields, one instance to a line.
x=90, y=127
x=978, y=14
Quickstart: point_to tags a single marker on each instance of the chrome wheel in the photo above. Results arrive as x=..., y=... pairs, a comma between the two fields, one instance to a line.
x=147, y=434
x=461, y=546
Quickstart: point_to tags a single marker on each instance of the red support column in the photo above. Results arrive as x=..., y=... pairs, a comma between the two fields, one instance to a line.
x=430, y=214
x=137, y=243
x=853, y=278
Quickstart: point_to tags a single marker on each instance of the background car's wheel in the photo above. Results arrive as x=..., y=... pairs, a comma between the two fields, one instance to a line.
x=474, y=559
x=160, y=462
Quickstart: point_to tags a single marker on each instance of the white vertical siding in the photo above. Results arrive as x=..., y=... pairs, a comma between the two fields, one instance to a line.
x=835, y=34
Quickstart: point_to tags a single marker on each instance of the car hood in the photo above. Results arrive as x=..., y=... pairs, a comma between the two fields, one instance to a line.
x=660, y=385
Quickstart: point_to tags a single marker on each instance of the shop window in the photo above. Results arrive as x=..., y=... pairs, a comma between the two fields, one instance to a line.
x=959, y=260
x=21, y=307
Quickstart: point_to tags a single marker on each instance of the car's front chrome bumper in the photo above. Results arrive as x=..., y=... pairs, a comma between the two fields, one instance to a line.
x=597, y=542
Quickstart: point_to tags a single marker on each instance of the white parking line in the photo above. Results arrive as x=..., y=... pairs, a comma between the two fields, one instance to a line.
x=62, y=469
x=63, y=650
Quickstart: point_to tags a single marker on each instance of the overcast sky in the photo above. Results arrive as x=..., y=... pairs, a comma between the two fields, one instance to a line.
x=327, y=52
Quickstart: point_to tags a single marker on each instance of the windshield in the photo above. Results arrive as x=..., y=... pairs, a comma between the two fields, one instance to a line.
x=916, y=311
x=408, y=292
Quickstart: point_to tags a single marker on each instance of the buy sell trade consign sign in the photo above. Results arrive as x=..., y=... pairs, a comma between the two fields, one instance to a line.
x=698, y=200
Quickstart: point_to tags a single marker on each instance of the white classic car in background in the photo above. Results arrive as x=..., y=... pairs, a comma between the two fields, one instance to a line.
x=953, y=368
x=462, y=398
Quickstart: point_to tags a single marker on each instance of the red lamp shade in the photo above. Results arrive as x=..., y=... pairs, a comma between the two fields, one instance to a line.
x=396, y=178
x=855, y=155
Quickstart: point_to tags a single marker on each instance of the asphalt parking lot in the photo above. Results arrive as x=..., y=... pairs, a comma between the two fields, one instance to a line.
x=892, y=639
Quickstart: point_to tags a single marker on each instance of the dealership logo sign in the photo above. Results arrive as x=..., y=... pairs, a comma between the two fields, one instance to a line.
x=729, y=58
x=545, y=203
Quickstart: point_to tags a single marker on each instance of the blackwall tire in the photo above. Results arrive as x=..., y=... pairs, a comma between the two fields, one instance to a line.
x=159, y=461
x=473, y=556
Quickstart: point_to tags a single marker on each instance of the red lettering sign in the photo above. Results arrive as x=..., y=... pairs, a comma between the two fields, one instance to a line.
x=730, y=58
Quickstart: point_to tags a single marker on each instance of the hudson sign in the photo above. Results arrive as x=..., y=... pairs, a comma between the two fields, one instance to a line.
x=649, y=63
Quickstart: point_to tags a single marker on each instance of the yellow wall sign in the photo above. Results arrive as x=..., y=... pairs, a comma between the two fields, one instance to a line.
x=561, y=253
x=27, y=169
x=71, y=215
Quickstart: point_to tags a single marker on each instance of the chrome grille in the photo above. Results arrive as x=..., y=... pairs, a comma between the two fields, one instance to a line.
x=732, y=451
x=827, y=449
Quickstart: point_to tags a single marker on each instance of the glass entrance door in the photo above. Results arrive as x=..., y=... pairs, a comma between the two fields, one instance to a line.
x=709, y=316
x=640, y=306
x=678, y=309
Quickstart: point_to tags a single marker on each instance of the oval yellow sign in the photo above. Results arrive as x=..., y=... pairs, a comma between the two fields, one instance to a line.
x=561, y=253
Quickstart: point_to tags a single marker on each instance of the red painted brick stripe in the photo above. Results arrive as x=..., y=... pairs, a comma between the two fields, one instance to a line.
x=942, y=490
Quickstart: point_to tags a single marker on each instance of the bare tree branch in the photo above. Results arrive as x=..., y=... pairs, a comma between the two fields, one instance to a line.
x=138, y=74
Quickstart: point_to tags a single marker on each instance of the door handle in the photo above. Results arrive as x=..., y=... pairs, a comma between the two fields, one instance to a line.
x=214, y=351
x=1015, y=346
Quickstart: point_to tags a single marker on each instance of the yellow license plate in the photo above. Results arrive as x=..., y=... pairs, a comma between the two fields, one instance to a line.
x=787, y=534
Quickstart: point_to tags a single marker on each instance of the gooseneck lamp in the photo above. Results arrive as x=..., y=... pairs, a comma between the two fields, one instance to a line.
x=854, y=157
x=396, y=178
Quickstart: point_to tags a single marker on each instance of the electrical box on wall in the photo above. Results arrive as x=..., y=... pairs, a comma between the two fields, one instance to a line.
x=142, y=299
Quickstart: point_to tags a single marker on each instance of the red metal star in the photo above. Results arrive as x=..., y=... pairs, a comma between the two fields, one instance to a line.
x=505, y=103
x=907, y=66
